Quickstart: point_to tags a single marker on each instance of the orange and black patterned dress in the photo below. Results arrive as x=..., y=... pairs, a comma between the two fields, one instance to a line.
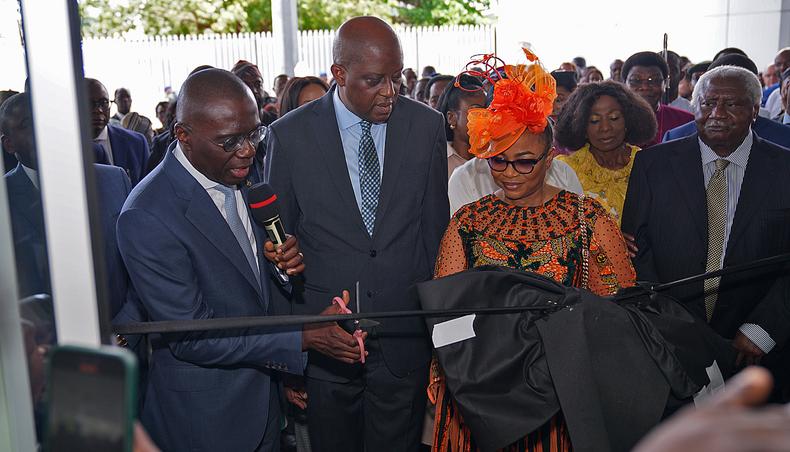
x=546, y=240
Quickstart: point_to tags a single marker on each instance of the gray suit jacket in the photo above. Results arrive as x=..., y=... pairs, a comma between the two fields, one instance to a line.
x=306, y=167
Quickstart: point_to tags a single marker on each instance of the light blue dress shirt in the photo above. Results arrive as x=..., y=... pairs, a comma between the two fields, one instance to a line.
x=350, y=133
x=735, y=172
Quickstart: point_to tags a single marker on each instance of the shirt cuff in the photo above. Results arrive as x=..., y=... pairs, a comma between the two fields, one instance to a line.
x=759, y=336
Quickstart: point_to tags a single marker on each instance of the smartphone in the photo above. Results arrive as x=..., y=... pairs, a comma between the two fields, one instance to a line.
x=91, y=399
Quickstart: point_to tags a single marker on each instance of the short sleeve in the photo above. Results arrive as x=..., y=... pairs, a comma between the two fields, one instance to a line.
x=452, y=258
x=610, y=264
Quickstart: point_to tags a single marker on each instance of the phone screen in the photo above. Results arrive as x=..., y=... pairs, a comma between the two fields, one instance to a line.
x=87, y=402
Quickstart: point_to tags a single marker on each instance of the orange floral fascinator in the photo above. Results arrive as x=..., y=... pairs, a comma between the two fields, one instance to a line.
x=523, y=100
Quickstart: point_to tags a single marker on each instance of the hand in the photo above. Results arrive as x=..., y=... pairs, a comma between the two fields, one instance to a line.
x=286, y=256
x=748, y=352
x=729, y=422
x=297, y=397
x=142, y=442
x=330, y=339
x=630, y=242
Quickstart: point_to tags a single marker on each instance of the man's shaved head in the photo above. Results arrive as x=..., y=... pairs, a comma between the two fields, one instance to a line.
x=206, y=88
x=360, y=36
x=215, y=117
x=367, y=67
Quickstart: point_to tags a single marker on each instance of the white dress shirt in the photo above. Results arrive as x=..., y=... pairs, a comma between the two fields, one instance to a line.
x=218, y=198
x=104, y=140
x=31, y=174
x=735, y=172
x=473, y=180
x=774, y=103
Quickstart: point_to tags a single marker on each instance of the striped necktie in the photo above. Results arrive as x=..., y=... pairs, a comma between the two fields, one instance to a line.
x=236, y=226
x=717, y=222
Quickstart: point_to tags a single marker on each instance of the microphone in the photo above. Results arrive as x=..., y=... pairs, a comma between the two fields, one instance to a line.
x=265, y=210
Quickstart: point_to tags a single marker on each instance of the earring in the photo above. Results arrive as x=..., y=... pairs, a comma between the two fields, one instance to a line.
x=452, y=126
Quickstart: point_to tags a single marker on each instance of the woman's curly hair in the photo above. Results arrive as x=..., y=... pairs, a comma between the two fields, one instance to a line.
x=571, y=128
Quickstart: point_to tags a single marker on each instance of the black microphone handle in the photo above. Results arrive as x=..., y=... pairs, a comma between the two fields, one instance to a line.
x=274, y=230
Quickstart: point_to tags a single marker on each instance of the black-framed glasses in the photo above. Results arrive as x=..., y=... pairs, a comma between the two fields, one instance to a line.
x=522, y=166
x=101, y=103
x=650, y=81
x=235, y=143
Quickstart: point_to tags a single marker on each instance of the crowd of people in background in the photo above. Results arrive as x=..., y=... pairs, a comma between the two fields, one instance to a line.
x=611, y=154
x=664, y=81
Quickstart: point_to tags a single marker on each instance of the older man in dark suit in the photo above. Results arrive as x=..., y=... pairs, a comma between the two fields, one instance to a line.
x=719, y=198
x=362, y=174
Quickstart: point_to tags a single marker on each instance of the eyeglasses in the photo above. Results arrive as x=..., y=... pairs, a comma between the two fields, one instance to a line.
x=522, y=166
x=651, y=81
x=101, y=103
x=728, y=104
x=235, y=143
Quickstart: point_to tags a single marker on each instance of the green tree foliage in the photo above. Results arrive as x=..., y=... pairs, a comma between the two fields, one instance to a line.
x=169, y=17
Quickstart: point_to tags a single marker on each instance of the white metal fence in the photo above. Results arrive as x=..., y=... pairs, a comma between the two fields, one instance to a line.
x=146, y=66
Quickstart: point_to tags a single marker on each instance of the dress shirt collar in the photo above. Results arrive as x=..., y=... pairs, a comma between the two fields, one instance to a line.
x=103, y=135
x=204, y=181
x=740, y=157
x=786, y=118
x=345, y=117
x=31, y=174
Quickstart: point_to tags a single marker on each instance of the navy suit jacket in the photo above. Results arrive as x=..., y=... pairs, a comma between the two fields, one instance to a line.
x=306, y=166
x=206, y=390
x=764, y=128
x=30, y=241
x=129, y=151
x=665, y=209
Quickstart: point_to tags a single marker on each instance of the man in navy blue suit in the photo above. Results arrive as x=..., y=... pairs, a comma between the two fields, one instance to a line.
x=763, y=127
x=27, y=219
x=123, y=148
x=193, y=252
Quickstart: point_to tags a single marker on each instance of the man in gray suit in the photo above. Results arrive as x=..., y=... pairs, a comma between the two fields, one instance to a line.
x=362, y=176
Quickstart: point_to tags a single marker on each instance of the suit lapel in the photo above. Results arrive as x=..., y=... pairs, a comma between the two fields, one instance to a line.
x=687, y=163
x=327, y=135
x=206, y=218
x=397, y=129
x=118, y=157
x=26, y=197
x=757, y=182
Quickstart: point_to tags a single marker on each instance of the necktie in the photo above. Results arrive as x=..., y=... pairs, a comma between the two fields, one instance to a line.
x=369, y=177
x=236, y=226
x=717, y=222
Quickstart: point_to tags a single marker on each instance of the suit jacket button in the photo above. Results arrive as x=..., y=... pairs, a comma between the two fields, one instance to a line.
x=370, y=294
x=372, y=253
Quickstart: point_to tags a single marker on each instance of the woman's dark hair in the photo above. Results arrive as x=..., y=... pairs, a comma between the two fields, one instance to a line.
x=571, y=128
x=647, y=59
x=290, y=98
x=452, y=95
x=433, y=80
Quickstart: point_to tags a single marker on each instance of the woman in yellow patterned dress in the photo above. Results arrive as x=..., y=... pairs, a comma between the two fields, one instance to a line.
x=527, y=225
x=599, y=121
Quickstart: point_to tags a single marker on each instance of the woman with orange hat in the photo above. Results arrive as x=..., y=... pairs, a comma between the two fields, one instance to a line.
x=526, y=225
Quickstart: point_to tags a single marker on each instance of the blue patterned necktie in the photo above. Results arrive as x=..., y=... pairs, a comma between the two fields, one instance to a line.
x=236, y=226
x=369, y=177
